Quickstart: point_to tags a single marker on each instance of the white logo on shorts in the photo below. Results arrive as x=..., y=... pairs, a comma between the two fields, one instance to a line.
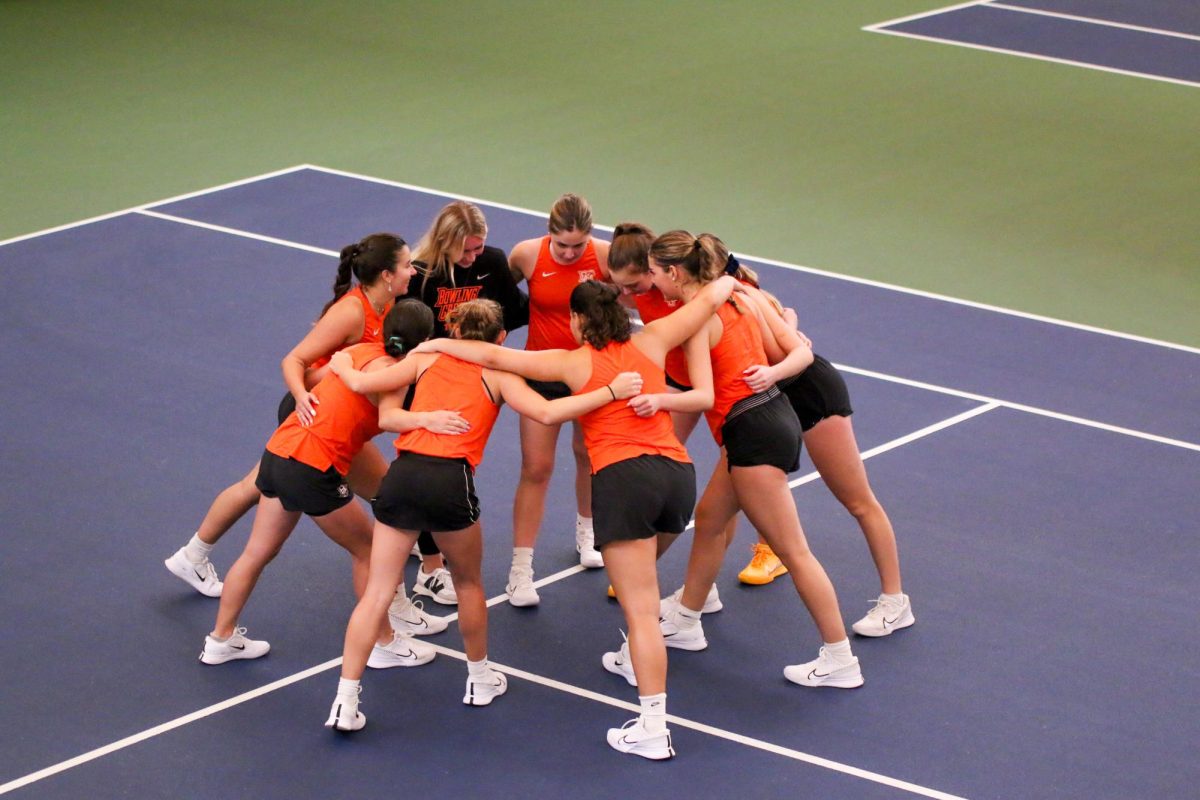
x=343, y=490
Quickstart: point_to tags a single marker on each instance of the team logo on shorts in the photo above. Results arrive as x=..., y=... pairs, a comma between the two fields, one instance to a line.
x=587, y=275
x=343, y=490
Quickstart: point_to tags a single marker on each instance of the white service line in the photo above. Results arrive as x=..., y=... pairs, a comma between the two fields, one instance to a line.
x=1108, y=23
x=923, y=15
x=235, y=232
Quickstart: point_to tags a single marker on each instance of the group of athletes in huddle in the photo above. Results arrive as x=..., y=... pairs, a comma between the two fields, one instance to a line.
x=412, y=343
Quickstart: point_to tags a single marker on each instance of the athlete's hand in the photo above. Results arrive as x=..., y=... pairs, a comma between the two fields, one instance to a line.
x=807, y=341
x=759, y=377
x=627, y=384
x=306, y=408
x=448, y=422
x=340, y=363
x=427, y=346
x=646, y=405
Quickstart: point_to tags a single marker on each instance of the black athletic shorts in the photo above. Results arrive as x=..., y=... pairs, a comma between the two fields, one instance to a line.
x=301, y=487
x=427, y=493
x=817, y=393
x=551, y=390
x=639, y=497
x=286, y=406
x=762, y=429
x=677, y=385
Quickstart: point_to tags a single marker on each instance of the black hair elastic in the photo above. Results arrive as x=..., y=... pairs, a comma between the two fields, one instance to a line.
x=732, y=265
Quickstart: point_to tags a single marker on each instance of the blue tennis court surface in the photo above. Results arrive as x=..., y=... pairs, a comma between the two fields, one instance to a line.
x=1042, y=479
x=1158, y=39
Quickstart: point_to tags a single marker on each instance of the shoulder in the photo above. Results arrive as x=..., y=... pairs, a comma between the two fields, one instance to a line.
x=526, y=249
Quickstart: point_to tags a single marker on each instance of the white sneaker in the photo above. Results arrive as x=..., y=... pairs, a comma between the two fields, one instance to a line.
x=437, y=585
x=712, y=603
x=344, y=714
x=235, y=647
x=520, y=589
x=674, y=636
x=824, y=671
x=416, y=552
x=885, y=617
x=619, y=663
x=483, y=691
x=402, y=651
x=632, y=737
x=408, y=616
x=202, y=577
x=585, y=545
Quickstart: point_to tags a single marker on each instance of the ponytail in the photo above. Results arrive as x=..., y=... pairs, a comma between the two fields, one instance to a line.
x=602, y=318
x=409, y=323
x=365, y=260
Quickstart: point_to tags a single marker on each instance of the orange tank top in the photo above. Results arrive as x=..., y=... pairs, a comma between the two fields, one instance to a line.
x=550, y=287
x=345, y=421
x=453, y=385
x=653, y=305
x=372, y=322
x=740, y=348
x=614, y=432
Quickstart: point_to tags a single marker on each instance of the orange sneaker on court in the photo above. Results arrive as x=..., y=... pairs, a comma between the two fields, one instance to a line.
x=764, y=566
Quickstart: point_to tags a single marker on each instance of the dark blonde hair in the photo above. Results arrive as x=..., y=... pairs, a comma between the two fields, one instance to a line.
x=449, y=230
x=479, y=320
x=704, y=257
x=570, y=213
x=603, y=318
x=630, y=247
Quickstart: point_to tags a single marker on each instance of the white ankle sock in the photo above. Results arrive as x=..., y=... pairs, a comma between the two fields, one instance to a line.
x=522, y=557
x=686, y=619
x=840, y=651
x=348, y=687
x=898, y=599
x=654, y=712
x=583, y=523
x=477, y=669
x=400, y=590
x=196, y=549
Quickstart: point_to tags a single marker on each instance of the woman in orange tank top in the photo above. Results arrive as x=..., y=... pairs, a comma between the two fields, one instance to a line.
x=552, y=266
x=443, y=466
x=303, y=471
x=382, y=265
x=642, y=480
x=759, y=436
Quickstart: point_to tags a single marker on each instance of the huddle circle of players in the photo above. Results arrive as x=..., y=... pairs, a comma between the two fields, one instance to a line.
x=413, y=342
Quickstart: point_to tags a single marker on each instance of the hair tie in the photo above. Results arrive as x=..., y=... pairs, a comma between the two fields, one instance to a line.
x=732, y=265
x=395, y=343
x=696, y=244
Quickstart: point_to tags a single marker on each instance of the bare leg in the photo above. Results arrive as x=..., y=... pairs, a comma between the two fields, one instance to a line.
x=272, y=526
x=716, y=508
x=233, y=503
x=583, y=473
x=773, y=513
x=631, y=568
x=834, y=453
x=389, y=552
x=537, y=463
x=465, y=551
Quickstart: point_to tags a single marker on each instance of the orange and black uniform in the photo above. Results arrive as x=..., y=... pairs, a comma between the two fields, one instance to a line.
x=643, y=481
x=488, y=278
x=653, y=305
x=305, y=466
x=754, y=428
x=550, y=287
x=430, y=486
x=372, y=332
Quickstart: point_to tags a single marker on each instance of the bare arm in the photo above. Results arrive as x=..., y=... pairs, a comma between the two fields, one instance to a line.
x=528, y=403
x=388, y=379
x=700, y=396
x=538, y=365
x=341, y=325
x=794, y=355
x=523, y=258
x=677, y=327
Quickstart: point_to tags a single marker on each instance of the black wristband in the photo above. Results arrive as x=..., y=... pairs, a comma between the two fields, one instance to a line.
x=610, y=390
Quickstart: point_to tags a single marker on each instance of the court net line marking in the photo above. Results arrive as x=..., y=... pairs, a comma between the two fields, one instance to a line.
x=147, y=207
x=853, y=370
x=1095, y=21
x=882, y=28
x=165, y=727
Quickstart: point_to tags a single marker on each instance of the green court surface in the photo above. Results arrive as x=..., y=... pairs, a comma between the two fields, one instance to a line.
x=781, y=126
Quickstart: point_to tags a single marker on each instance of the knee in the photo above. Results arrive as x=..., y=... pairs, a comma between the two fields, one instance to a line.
x=536, y=469
x=862, y=507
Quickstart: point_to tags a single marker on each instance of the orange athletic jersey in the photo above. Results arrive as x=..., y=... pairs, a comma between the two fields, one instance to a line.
x=345, y=421
x=452, y=385
x=740, y=348
x=652, y=305
x=550, y=287
x=372, y=322
x=614, y=432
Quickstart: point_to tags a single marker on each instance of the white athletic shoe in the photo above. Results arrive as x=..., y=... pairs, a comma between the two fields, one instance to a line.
x=416, y=552
x=344, y=714
x=402, y=651
x=520, y=589
x=632, y=737
x=674, y=636
x=585, y=545
x=824, y=671
x=437, y=585
x=235, y=647
x=202, y=577
x=712, y=603
x=408, y=616
x=885, y=617
x=483, y=691
x=619, y=663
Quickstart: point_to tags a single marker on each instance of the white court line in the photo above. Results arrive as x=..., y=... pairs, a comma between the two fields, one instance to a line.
x=1094, y=21
x=177, y=198
x=1035, y=56
x=923, y=15
x=235, y=232
x=798, y=267
x=541, y=680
